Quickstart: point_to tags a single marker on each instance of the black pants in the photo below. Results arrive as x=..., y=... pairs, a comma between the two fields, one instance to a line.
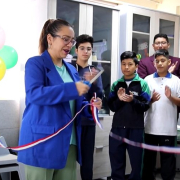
x=117, y=153
x=87, y=149
x=168, y=161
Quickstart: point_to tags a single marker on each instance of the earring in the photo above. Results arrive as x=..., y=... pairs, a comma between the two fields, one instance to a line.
x=49, y=46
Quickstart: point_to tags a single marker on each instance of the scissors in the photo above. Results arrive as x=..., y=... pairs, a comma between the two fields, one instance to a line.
x=94, y=78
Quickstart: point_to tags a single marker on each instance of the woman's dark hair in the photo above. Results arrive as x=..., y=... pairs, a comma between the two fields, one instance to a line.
x=161, y=52
x=129, y=55
x=83, y=39
x=161, y=36
x=51, y=26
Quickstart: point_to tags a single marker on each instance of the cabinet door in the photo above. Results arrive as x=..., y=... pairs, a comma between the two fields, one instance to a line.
x=142, y=30
x=136, y=30
x=102, y=34
x=69, y=11
x=169, y=24
x=106, y=39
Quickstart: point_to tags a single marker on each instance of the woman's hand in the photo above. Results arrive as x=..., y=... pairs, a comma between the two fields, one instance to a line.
x=96, y=102
x=81, y=88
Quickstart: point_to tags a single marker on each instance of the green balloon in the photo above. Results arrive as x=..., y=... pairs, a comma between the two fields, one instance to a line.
x=9, y=55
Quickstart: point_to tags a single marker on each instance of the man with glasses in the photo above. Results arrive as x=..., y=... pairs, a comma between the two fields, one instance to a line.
x=146, y=66
x=84, y=45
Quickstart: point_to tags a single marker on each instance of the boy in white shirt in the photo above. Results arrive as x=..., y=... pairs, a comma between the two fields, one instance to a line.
x=161, y=117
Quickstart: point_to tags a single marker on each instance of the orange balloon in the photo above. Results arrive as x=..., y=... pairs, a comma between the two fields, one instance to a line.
x=2, y=68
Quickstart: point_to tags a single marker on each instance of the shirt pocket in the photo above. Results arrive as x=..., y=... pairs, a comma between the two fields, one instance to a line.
x=43, y=149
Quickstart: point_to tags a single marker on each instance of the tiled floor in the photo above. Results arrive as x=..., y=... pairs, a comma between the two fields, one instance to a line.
x=158, y=176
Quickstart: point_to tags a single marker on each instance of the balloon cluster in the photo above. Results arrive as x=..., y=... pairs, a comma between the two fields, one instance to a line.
x=8, y=55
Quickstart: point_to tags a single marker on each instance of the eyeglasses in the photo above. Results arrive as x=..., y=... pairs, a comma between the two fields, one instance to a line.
x=162, y=43
x=82, y=48
x=66, y=39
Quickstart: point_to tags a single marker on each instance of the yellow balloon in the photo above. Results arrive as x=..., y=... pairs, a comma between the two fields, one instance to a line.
x=2, y=68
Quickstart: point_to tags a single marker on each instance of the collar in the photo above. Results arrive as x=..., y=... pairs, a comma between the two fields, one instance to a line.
x=129, y=79
x=168, y=75
x=48, y=61
x=88, y=66
x=62, y=68
x=136, y=78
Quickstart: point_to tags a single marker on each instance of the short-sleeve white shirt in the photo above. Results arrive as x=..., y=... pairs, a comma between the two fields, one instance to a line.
x=161, y=117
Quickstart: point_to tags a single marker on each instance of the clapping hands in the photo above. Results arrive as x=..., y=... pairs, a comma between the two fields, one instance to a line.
x=172, y=67
x=155, y=96
x=123, y=96
x=90, y=75
x=167, y=92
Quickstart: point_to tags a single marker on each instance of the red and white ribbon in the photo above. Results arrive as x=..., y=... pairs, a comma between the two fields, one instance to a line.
x=34, y=143
x=146, y=146
x=95, y=112
x=95, y=117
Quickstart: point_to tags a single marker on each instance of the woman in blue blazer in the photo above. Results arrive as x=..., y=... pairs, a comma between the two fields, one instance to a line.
x=53, y=96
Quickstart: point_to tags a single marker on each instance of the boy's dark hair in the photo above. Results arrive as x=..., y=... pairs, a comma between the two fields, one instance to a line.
x=131, y=55
x=83, y=39
x=161, y=36
x=162, y=52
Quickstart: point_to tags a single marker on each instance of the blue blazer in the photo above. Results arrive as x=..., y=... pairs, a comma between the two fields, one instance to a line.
x=47, y=110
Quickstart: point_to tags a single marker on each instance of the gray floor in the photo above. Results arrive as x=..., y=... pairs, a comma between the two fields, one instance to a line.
x=158, y=176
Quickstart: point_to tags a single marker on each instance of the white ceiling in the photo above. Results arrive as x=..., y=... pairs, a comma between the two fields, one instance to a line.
x=170, y=6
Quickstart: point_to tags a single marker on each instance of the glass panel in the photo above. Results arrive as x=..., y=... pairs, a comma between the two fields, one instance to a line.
x=167, y=27
x=102, y=34
x=141, y=23
x=171, y=48
x=69, y=11
x=140, y=44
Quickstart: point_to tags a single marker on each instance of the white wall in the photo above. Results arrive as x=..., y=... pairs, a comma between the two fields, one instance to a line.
x=166, y=5
x=22, y=21
x=169, y=6
x=143, y=3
